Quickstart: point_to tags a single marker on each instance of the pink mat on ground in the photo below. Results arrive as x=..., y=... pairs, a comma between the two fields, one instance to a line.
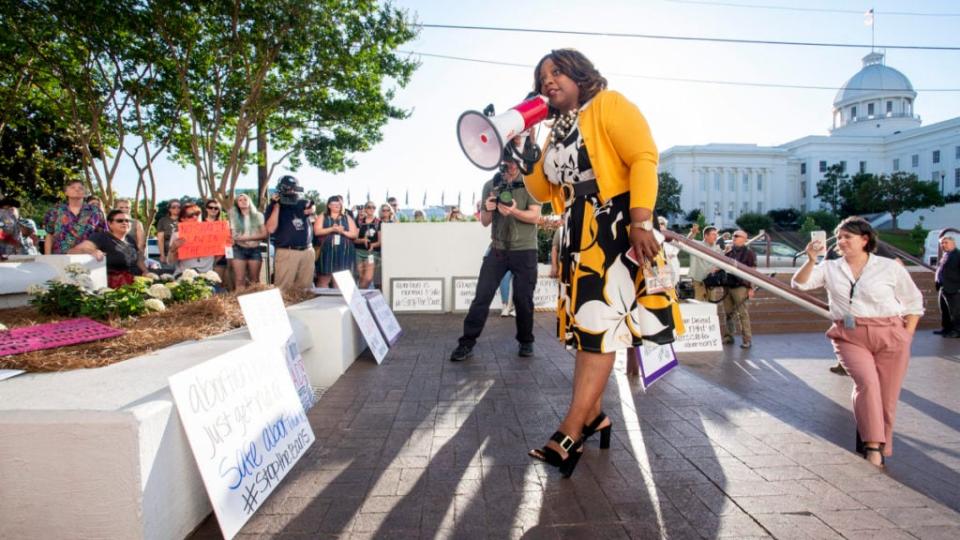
x=54, y=335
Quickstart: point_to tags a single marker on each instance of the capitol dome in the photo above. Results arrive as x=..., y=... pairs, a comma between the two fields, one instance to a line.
x=878, y=100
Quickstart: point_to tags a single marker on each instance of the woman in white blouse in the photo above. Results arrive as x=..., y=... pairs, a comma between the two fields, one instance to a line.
x=875, y=306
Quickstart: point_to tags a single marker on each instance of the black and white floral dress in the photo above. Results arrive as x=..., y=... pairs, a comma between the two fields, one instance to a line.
x=603, y=305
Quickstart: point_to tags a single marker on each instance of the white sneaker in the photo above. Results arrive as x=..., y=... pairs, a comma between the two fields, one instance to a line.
x=505, y=312
x=513, y=311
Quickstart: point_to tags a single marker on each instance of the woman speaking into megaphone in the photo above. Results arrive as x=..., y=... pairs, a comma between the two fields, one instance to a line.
x=599, y=167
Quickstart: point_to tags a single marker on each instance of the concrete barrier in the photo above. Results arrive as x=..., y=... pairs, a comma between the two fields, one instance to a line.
x=101, y=453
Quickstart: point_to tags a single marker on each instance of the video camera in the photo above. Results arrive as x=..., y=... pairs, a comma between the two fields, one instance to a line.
x=289, y=190
x=503, y=190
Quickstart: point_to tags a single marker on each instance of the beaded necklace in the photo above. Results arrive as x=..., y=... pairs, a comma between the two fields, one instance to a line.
x=563, y=125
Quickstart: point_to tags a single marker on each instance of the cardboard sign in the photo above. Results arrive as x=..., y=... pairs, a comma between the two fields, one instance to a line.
x=54, y=335
x=702, y=328
x=268, y=322
x=416, y=295
x=386, y=320
x=246, y=427
x=655, y=362
x=203, y=238
x=465, y=290
x=361, y=314
x=546, y=294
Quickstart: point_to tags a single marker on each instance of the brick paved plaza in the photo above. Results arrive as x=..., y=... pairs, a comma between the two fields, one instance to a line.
x=746, y=444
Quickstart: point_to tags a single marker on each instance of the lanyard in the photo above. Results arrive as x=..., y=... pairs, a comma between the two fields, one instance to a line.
x=853, y=284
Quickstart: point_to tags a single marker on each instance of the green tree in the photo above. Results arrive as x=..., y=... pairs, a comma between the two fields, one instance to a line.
x=313, y=80
x=785, y=218
x=668, y=195
x=824, y=219
x=95, y=65
x=902, y=192
x=754, y=223
x=809, y=225
x=829, y=189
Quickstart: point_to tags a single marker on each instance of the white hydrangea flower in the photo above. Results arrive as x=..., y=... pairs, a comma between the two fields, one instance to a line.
x=211, y=276
x=151, y=276
x=166, y=277
x=189, y=274
x=36, y=289
x=76, y=269
x=86, y=282
x=154, y=304
x=3, y=327
x=159, y=291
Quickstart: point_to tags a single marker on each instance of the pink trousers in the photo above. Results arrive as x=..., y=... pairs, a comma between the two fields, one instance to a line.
x=875, y=354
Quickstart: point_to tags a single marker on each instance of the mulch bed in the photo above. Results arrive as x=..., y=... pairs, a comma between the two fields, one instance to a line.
x=182, y=322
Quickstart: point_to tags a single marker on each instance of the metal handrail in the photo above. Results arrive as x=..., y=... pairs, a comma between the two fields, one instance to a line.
x=747, y=273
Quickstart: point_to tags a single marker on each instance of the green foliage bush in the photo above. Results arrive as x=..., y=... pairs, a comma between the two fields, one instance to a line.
x=753, y=223
x=825, y=220
x=190, y=290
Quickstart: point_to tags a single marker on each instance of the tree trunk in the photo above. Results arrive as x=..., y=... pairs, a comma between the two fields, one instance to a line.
x=262, y=176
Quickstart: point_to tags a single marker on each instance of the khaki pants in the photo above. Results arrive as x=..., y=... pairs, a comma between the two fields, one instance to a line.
x=699, y=291
x=293, y=269
x=735, y=307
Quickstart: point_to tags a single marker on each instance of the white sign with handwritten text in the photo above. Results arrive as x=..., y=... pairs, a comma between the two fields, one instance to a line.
x=416, y=295
x=388, y=323
x=246, y=427
x=267, y=321
x=702, y=328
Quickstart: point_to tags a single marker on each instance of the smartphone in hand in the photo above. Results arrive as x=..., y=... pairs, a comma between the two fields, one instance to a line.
x=820, y=236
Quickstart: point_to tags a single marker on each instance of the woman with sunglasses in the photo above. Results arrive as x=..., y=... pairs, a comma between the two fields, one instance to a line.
x=247, y=227
x=191, y=212
x=165, y=227
x=123, y=258
x=368, y=244
x=211, y=212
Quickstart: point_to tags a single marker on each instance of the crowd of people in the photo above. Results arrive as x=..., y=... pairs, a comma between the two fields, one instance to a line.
x=309, y=248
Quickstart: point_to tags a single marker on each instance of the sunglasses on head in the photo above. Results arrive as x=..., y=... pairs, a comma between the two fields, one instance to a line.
x=192, y=214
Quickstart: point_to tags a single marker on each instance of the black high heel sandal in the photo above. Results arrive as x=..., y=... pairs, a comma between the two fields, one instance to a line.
x=867, y=449
x=574, y=450
x=590, y=429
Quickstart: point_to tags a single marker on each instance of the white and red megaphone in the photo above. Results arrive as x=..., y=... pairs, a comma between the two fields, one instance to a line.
x=482, y=137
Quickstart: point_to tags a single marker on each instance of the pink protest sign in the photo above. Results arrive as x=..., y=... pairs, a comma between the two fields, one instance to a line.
x=54, y=335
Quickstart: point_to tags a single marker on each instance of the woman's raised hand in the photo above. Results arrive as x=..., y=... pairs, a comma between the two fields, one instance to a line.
x=813, y=249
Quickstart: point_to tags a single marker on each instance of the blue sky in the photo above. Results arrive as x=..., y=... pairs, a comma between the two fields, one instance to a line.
x=421, y=154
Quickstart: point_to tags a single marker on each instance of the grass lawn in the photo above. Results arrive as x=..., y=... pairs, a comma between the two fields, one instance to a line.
x=901, y=239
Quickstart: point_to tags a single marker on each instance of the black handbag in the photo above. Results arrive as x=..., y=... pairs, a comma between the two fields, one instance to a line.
x=715, y=279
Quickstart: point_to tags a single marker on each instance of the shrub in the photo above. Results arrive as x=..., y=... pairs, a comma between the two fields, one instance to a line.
x=825, y=220
x=785, y=218
x=753, y=223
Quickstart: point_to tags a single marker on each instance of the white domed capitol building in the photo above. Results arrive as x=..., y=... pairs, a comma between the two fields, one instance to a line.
x=875, y=130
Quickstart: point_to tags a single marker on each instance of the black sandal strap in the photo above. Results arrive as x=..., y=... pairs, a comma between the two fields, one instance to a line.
x=565, y=442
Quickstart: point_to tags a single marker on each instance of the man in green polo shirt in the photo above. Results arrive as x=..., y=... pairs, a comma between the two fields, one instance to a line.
x=512, y=215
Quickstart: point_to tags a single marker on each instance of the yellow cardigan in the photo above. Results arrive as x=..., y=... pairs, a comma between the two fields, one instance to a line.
x=621, y=149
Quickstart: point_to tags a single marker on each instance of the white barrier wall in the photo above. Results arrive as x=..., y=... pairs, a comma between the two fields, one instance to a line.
x=437, y=250
x=101, y=453
x=22, y=271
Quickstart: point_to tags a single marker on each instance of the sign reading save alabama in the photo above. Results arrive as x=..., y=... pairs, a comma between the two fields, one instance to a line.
x=246, y=427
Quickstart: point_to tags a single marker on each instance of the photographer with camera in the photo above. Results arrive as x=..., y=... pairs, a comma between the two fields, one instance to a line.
x=288, y=224
x=513, y=215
